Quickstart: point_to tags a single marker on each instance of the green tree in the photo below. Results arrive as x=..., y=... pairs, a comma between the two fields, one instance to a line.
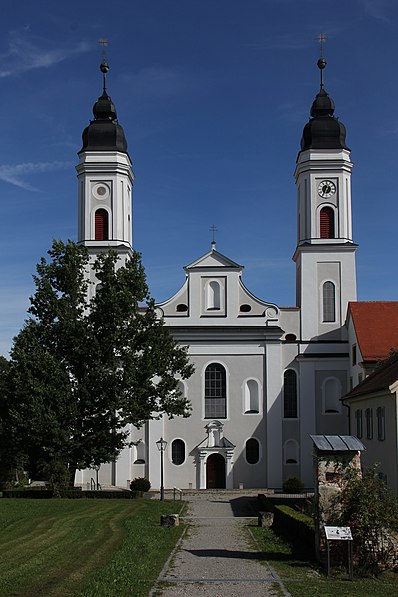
x=84, y=369
x=369, y=508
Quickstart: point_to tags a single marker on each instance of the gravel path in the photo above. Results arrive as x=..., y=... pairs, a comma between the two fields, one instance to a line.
x=214, y=558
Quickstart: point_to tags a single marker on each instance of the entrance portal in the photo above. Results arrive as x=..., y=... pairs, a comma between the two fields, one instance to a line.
x=215, y=472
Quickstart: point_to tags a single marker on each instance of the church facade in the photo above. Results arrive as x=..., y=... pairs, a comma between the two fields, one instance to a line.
x=266, y=377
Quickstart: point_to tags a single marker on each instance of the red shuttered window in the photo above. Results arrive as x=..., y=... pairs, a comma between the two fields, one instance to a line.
x=327, y=222
x=101, y=225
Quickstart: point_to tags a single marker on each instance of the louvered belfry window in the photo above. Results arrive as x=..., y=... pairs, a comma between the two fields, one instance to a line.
x=101, y=225
x=327, y=222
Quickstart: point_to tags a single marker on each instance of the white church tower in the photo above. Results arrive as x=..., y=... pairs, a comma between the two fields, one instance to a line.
x=105, y=180
x=325, y=253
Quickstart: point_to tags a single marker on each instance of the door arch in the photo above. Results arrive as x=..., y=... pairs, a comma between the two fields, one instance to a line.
x=215, y=472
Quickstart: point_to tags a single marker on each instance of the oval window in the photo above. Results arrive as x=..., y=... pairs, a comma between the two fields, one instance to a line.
x=181, y=308
x=252, y=451
x=178, y=451
x=245, y=308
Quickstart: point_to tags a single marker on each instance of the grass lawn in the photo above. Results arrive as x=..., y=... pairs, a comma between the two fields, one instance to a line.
x=303, y=578
x=83, y=547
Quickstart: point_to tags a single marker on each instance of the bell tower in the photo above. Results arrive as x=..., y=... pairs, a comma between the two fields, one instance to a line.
x=325, y=253
x=105, y=180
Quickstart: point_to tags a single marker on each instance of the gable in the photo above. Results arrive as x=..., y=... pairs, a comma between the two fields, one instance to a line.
x=213, y=259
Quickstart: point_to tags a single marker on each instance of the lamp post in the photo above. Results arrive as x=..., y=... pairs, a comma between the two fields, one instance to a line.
x=97, y=468
x=161, y=444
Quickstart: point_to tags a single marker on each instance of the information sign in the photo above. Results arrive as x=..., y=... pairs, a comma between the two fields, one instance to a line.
x=338, y=533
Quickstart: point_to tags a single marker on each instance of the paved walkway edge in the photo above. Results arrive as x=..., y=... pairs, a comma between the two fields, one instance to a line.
x=166, y=566
x=273, y=571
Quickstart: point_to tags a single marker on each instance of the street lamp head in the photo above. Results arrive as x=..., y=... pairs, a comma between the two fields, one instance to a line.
x=161, y=444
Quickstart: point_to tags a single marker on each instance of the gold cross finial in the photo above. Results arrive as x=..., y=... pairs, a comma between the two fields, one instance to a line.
x=321, y=38
x=103, y=42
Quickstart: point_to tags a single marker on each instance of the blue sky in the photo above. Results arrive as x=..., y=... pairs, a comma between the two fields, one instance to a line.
x=213, y=96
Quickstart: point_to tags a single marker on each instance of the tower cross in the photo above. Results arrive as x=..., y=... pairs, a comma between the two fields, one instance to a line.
x=104, y=64
x=104, y=43
x=321, y=62
x=321, y=38
x=213, y=230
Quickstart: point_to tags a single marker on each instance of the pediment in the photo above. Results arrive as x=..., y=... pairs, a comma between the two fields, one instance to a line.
x=214, y=259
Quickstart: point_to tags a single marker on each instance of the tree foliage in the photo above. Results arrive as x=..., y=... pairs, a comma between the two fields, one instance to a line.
x=369, y=508
x=83, y=369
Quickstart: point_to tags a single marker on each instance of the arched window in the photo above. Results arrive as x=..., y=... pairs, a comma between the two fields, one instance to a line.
x=331, y=395
x=215, y=392
x=252, y=451
x=329, y=302
x=291, y=452
x=290, y=394
x=213, y=296
x=251, y=396
x=101, y=225
x=326, y=223
x=178, y=451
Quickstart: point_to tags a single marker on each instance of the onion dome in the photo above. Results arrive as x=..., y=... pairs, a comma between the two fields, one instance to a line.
x=104, y=133
x=324, y=130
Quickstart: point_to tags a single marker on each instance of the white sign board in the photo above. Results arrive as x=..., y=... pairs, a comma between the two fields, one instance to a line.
x=338, y=533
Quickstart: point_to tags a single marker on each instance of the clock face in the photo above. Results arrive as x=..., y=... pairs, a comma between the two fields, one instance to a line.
x=326, y=188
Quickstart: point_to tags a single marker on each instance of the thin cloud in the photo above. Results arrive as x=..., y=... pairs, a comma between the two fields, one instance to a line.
x=13, y=174
x=376, y=9
x=26, y=52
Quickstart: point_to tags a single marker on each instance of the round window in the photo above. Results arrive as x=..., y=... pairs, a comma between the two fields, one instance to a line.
x=101, y=191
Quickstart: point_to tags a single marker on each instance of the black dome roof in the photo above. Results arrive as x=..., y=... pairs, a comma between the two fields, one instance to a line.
x=104, y=132
x=324, y=130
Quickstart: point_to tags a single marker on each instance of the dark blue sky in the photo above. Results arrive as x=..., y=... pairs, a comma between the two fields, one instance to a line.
x=213, y=96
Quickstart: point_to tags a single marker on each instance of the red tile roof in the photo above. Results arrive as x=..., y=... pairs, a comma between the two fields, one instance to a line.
x=376, y=327
x=385, y=374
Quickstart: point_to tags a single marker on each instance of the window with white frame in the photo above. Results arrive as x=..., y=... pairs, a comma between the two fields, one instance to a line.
x=215, y=392
x=329, y=302
x=178, y=451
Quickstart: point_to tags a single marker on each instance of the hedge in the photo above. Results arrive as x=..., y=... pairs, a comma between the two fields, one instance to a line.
x=295, y=527
x=112, y=495
x=71, y=494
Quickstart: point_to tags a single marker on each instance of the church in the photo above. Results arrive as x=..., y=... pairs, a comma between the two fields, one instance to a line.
x=266, y=376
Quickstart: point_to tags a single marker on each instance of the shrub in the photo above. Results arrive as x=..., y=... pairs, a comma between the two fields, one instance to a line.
x=293, y=485
x=109, y=495
x=369, y=508
x=140, y=484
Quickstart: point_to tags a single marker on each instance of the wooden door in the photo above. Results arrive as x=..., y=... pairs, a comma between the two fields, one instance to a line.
x=215, y=472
